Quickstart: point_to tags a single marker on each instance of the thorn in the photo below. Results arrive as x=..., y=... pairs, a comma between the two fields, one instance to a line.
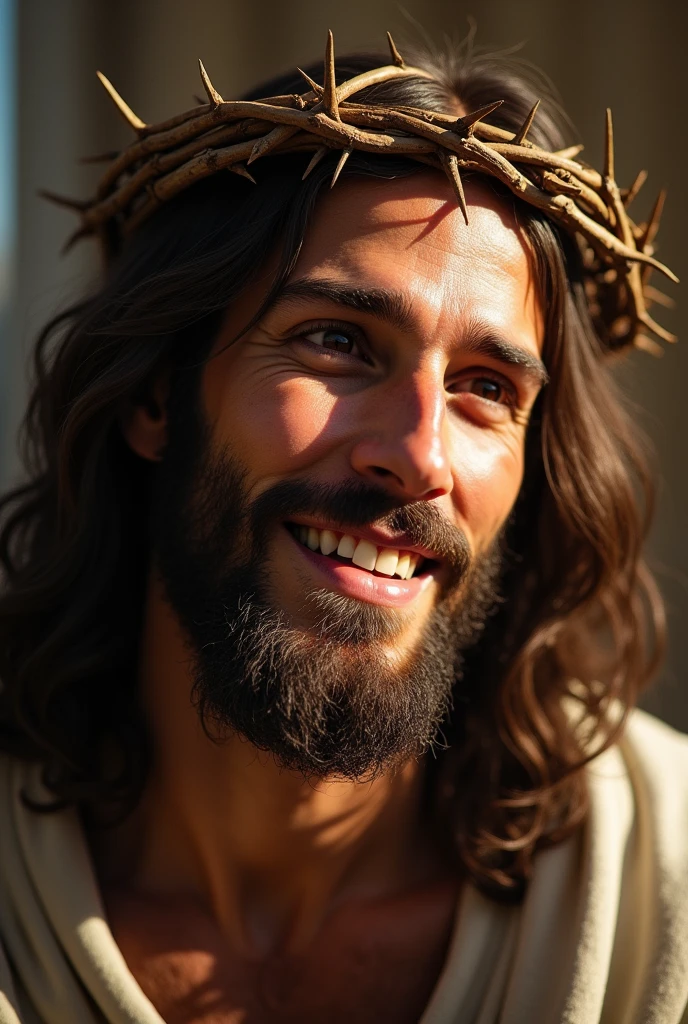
x=466, y=124
x=451, y=167
x=76, y=205
x=646, y=344
x=240, y=169
x=317, y=89
x=125, y=110
x=635, y=188
x=653, y=294
x=570, y=152
x=74, y=238
x=560, y=184
x=213, y=94
x=397, y=59
x=99, y=158
x=264, y=145
x=314, y=161
x=520, y=136
x=609, y=147
x=652, y=228
x=329, y=97
x=346, y=153
x=657, y=329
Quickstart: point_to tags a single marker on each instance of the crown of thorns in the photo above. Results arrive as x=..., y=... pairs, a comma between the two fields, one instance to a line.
x=168, y=157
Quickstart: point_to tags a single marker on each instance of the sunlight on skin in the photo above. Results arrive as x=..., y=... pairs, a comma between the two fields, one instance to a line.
x=292, y=410
x=264, y=854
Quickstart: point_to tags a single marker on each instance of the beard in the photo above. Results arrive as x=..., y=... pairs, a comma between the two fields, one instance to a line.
x=333, y=700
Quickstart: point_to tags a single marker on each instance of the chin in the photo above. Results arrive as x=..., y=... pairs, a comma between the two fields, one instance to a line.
x=352, y=623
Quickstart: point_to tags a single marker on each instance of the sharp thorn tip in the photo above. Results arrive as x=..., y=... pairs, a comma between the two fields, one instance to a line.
x=125, y=110
x=212, y=93
x=346, y=153
x=520, y=136
x=397, y=59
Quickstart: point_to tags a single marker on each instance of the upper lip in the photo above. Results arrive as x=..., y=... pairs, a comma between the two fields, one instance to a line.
x=400, y=541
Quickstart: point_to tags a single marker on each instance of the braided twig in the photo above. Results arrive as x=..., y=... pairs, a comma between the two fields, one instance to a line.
x=168, y=157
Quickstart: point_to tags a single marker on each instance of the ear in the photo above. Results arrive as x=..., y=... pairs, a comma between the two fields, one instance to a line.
x=144, y=422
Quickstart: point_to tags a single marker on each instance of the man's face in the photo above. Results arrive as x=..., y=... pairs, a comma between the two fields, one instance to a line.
x=363, y=445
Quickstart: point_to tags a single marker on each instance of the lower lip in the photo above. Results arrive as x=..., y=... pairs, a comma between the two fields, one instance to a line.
x=362, y=585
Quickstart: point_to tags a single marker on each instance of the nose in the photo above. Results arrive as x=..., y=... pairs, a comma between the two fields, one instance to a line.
x=403, y=443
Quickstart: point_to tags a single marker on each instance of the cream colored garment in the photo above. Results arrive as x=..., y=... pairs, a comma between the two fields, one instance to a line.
x=602, y=937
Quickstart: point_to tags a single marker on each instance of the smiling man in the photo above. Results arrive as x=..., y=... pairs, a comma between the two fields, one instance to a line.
x=324, y=612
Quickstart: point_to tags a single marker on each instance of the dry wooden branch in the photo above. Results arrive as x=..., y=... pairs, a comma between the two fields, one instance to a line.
x=241, y=170
x=467, y=124
x=125, y=110
x=75, y=205
x=168, y=157
x=397, y=59
x=211, y=91
x=648, y=236
x=629, y=194
x=317, y=89
x=451, y=166
x=329, y=97
x=654, y=295
x=520, y=136
x=346, y=153
x=609, y=147
x=314, y=161
x=271, y=141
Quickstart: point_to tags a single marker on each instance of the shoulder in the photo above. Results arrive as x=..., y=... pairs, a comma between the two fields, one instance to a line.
x=646, y=771
x=650, y=757
x=638, y=814
x=656, y=756
x=645, y=728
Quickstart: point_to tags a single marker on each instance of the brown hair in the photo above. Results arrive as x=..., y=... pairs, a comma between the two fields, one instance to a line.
x=580, y=623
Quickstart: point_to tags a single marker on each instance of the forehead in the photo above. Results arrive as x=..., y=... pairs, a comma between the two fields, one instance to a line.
x=408, y=234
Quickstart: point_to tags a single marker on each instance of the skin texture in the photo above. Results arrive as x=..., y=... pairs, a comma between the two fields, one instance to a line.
x=239, y=892
x=410, y=421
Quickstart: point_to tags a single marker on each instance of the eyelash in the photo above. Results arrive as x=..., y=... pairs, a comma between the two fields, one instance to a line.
x=509, y=391
x=354, y=332
x=358, y=336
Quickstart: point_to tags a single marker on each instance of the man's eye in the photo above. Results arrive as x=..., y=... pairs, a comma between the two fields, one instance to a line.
x=334, y=339
x=484, y=387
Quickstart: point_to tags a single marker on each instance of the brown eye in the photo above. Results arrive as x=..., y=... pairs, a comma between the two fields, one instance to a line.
x=486, y=388
x=334, y=339
x=483, y=387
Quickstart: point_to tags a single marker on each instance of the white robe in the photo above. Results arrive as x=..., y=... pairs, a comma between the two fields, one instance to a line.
x=601, y=937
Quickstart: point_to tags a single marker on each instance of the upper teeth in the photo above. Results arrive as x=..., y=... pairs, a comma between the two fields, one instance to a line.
x=388, y=561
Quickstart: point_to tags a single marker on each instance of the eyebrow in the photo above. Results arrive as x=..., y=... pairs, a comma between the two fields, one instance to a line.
x=395, y=309
x=503, y=351
x=392, y=307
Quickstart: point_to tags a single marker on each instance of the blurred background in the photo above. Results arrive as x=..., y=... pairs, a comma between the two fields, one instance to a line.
x=628, y=55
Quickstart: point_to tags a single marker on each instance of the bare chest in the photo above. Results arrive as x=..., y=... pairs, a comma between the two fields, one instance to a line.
x=367, y=967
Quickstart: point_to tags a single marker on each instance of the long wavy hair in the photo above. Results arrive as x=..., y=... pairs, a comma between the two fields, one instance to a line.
x=578, y=631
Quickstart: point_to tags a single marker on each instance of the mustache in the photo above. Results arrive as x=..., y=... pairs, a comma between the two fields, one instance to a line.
x=356, y=504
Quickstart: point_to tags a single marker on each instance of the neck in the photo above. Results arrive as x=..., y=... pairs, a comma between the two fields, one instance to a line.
x=268, y=853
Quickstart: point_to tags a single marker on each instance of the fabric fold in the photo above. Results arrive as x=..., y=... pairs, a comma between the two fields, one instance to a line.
x=600, y=938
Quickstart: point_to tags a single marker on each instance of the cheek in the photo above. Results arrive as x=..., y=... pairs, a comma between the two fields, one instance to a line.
x=279, y=430
x=488, y=471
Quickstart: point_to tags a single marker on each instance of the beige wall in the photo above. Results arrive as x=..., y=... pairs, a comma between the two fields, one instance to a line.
x=630, y=56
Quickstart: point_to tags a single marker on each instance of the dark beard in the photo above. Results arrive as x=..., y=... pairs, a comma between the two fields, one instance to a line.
x=330, y=701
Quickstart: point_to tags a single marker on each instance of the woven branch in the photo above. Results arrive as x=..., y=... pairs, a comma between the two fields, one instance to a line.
x=168, y=157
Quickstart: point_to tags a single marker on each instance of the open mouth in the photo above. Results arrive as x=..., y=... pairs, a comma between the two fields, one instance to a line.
x=351, y=550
